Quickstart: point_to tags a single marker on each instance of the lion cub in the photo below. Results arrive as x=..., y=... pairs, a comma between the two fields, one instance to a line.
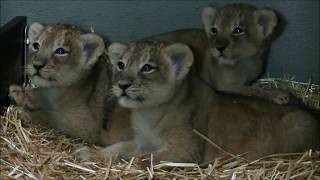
x=149, y=78
x=73, y=85
x=239, y=37
x=255, y=128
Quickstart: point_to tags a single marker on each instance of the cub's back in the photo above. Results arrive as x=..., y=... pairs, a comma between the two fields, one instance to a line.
x=241, y=124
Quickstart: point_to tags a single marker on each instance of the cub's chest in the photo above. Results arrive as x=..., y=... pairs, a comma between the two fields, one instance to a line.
x=148, y=135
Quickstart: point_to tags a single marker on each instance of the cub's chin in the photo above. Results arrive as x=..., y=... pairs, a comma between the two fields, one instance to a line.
x=49, y=81
x=42, y=82
x=128, y=102
x=133, y=103
x=226, y=61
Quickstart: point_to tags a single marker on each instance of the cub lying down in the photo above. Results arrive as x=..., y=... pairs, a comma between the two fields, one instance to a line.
x=243, y=54
x=239, y=37
x=73, y=84
x=152, y=79
x=149, y=78
x=250, y=126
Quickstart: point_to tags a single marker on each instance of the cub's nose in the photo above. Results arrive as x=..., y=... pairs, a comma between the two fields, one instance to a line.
x=221, y=49
x=37, y=66
x=124, y=85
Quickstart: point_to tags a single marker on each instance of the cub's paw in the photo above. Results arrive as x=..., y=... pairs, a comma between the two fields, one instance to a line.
x=84, y=153
x=107, y=153
x=281, y=98
x=16, y=93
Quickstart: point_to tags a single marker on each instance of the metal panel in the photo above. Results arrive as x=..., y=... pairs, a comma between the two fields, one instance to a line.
x=12, y=50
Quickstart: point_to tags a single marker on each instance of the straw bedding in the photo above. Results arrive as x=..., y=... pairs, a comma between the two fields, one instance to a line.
x=29, y=152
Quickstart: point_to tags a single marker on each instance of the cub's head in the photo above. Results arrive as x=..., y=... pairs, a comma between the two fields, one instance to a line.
x=59, y=55
x=237, y=31
x=147, y=74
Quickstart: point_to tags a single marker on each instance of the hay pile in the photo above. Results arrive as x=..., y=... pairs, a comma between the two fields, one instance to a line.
x=29, y=152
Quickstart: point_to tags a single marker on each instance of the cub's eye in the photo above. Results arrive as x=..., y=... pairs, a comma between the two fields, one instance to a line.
x=120, y=66
x=61, y=52
x=214, y=30
x=35, y=46
x=237, y=31
x=147, y=68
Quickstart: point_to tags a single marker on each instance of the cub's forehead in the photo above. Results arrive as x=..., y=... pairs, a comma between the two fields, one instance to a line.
x=61, y=34
x=142, y=52
x=234, y=14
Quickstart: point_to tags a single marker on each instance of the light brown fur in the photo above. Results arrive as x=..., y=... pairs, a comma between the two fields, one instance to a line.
x=247, y=56
x=236, y=59
x=246, y=125
x=72, y=94
x=162, y=111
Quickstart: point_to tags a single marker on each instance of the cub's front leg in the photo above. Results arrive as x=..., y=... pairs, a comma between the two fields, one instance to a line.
x=32, y=104
x=22, y=97
x=272, y=95
x=124, y=149
x=181, y=146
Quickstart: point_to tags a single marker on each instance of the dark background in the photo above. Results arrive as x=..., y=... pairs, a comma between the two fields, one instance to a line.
x=12, y=50
x=296, y=51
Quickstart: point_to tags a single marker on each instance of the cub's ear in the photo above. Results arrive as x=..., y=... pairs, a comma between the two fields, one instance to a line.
x=180, y=58
x=34, y=31
x=267, y=20
x=93, y=47
x=116, y=51
x=208, y=14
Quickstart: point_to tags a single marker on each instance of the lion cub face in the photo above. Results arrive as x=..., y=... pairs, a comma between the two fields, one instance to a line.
x=146, y=74
x=237, y=31
x=60, y=55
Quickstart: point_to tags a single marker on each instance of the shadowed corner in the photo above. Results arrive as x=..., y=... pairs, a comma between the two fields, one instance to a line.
x=12, y=48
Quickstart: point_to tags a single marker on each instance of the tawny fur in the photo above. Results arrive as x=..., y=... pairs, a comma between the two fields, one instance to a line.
x=256, y=128
x=244, y=56
x=73, y=88
x=239, y=38
x=162, y=111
